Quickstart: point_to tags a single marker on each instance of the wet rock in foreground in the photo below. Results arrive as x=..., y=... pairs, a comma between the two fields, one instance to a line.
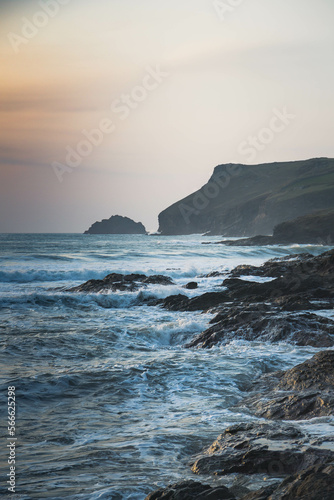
x=191, y=490
x=315, y=373
x=260, y=322
x=315, y=483
x=303, y=392
x=121, y=282
x=260, y=448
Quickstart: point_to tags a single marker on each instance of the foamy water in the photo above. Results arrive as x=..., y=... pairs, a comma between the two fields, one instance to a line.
x=110, y=403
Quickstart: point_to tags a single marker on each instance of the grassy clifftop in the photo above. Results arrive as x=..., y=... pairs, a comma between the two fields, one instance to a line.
x=245, y=200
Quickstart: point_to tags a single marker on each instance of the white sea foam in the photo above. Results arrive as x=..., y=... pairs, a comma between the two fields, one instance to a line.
x=115, y=394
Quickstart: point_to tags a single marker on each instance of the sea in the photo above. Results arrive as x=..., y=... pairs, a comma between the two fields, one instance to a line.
x=109, y=402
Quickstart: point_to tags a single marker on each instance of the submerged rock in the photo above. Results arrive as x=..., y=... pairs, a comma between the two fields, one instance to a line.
x=191, y=490
x=122, y=282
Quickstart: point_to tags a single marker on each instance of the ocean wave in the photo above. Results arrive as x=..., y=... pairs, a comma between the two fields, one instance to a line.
x=29, y=275
x=33, y=275
x=105, y=300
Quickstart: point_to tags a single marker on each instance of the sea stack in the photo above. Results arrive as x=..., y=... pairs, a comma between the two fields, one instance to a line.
x=117, y=225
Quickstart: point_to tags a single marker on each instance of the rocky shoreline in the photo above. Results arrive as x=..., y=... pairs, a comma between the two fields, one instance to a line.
x=285, y=299
x=302, y=465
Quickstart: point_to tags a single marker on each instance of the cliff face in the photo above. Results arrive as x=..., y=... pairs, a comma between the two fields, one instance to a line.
x=116, y=225
x=245, y=200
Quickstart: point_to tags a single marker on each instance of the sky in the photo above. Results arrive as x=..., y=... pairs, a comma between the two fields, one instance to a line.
x=125, y=107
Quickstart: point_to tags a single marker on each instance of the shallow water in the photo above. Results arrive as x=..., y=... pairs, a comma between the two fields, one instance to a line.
x=110, y=403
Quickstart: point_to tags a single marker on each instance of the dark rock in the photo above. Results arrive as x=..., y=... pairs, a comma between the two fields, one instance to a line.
x=315, y=373
x=305, y=277
x=299, y=279
x=192, y=285
x=191, y=490
x=158, y=279
x=303, y=392
x=173, y=302
x=262, y=494
x=273, y=268
x=296, y=304
x=247, y=200
x=200, y=303
x=253, y=310
x=117, y=225
x=214, y=274
x=121, y=282
x=270, y=448
x=258, y=322
x=301, y=406
x=314, y=483
x=254, y=241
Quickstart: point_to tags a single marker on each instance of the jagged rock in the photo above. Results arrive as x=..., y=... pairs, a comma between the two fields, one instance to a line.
x=252, y=310
x=183, y=303
x=314, y=483
x=116, y=225
x=296, y=406
x=122, y=282
x=191, y=490
x=273, y=268
x=258, y=322
x=299, y=279
x=269, y=448
x=303, y=392
x=315, y=373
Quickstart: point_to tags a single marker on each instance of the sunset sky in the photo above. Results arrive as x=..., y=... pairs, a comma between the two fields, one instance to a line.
x=176, y=88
